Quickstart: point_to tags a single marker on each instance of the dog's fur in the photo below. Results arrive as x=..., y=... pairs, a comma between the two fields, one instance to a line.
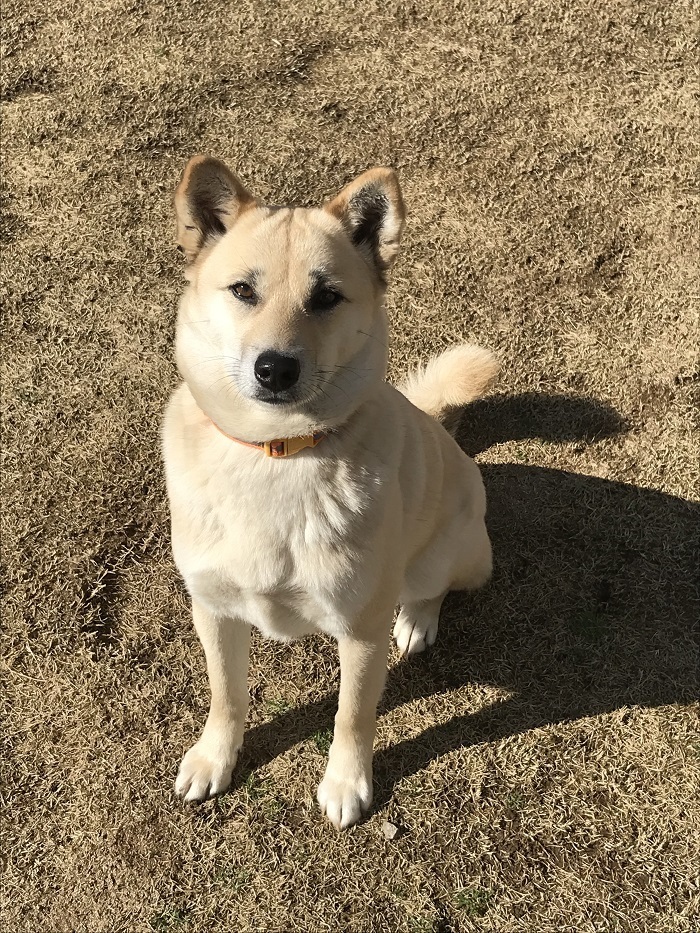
x=385, y=510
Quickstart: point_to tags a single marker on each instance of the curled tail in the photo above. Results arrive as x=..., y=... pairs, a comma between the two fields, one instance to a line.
x=451, y=380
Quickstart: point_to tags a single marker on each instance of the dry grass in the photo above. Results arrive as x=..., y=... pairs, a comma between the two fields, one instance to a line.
x=543, y=761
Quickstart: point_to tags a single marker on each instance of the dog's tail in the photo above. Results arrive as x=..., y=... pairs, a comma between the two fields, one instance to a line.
x=450, y=381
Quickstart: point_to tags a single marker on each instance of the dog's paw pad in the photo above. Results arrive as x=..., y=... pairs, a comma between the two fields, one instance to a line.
x=204, y=773
x=414, y=632
x=344, y=800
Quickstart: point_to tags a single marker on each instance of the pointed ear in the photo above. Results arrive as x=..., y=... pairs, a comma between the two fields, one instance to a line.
x=371, y=210
x=208, y=200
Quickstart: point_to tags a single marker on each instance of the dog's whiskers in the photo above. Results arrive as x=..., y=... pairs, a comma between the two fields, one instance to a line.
x=373, y=337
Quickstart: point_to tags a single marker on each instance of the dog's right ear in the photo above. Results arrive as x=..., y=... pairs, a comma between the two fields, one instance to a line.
x=208, y=200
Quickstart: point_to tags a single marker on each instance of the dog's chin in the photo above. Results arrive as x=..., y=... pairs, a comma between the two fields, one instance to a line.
x=326, y=406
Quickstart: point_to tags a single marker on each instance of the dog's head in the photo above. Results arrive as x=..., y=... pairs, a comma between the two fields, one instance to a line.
x=282, y=329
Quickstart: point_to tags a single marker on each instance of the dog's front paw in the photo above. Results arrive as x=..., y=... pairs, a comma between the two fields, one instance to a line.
x=205, y=771
x=344, y=797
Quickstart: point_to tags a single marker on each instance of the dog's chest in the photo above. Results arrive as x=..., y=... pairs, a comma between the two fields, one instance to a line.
x=284, y=545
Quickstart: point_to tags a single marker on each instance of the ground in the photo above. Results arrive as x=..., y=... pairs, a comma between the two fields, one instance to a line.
x=542, y=762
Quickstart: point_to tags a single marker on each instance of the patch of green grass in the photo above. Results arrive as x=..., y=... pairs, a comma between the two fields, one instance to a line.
x=322, y=740
x=172, y=918
x=261, y=792
x=271, y=807
x=234, y=879
x=255, y=787
x=420, y=925
x=277, y=705
x=515, y=799
x=475, y=902
x=399, y=892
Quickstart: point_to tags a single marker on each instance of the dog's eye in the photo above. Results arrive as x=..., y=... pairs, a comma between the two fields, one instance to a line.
x=243, y=291
x=325, y=299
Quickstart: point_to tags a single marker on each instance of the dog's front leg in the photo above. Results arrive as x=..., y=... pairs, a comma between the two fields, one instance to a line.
x=207, y=767
x=346, y=789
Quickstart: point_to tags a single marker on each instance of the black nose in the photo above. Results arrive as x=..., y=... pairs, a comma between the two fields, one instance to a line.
x=276, y=371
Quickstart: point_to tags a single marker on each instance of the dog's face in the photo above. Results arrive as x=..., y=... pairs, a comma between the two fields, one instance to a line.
x=282, y=330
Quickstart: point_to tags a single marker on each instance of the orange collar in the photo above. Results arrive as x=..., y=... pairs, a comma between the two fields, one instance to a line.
x=282, y=447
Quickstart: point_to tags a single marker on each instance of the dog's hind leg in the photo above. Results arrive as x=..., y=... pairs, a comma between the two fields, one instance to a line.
x=475, y=564
x=461, y=564
x=416, y=626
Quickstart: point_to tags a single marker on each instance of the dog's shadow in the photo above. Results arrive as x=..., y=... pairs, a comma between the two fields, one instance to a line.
x=592, y=606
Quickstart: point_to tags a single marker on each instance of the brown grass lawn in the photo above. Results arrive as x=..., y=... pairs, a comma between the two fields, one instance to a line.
x=543, y=761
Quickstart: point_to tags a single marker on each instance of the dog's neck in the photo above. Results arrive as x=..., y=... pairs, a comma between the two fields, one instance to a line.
x=280, y=446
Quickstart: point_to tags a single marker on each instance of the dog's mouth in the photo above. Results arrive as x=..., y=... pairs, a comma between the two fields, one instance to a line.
x=277, y=398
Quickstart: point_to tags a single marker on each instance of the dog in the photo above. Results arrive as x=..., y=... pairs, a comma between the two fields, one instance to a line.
x=307, y=494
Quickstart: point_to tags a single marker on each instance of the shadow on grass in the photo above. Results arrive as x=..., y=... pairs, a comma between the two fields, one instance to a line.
x=555, y=418
x=592, y=607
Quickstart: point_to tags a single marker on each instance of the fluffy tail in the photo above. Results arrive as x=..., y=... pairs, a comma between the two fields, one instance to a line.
x=451, y=380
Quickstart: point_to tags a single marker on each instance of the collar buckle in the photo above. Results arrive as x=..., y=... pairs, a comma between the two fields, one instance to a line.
x=287, y=446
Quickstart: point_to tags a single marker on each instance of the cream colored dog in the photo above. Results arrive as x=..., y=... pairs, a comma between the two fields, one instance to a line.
x=307, y=494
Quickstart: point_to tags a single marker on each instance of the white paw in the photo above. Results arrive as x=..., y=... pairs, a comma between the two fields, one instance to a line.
x=344, y=798
x=414, y=630
x=205, y=771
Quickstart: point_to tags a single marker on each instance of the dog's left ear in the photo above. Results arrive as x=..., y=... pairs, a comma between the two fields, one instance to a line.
x=208, y=200
x=371, y=210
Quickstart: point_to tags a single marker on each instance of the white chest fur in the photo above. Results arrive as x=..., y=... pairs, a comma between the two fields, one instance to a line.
x=283, y=544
